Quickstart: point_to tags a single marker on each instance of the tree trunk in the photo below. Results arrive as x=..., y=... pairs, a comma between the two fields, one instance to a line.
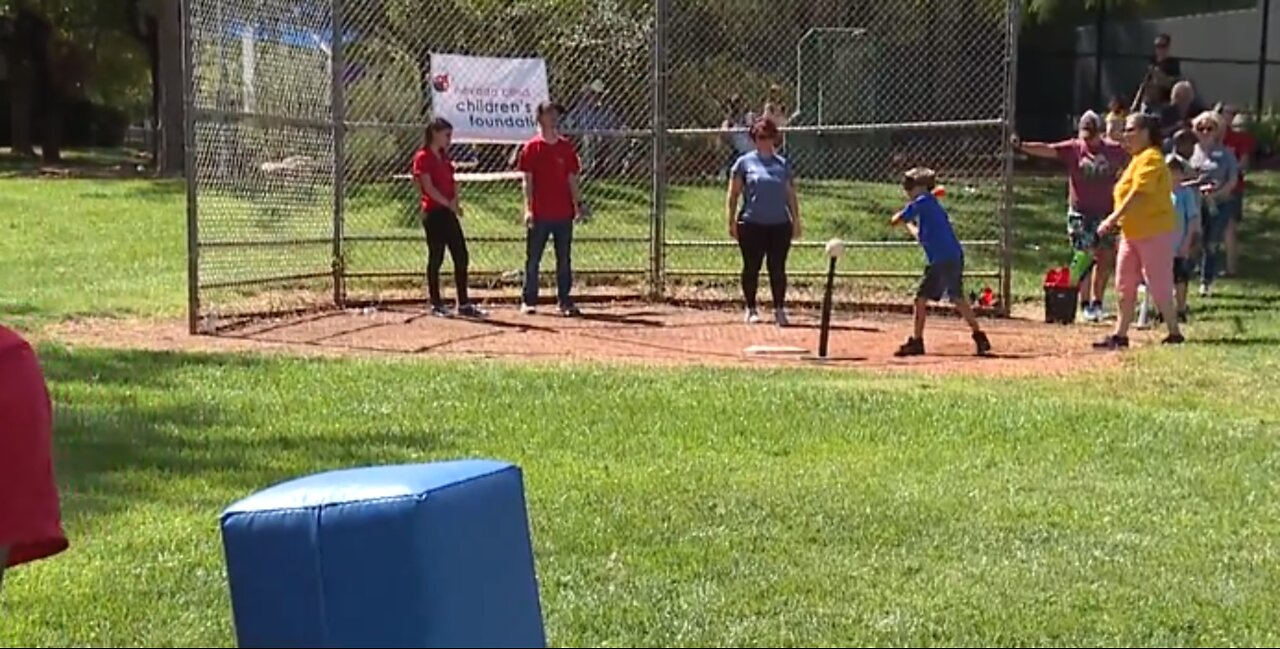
x=151, y=43
x=20, y=91
x=172, y=110
x=48, y=96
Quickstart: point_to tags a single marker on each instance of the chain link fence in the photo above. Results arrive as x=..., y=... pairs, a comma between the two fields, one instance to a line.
x=305, y=115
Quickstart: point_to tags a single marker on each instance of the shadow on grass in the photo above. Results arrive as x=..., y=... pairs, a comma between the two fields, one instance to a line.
x=1241, y=341
x=132, y=428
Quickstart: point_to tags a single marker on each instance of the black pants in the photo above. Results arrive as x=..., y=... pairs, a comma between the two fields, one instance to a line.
x=445, y=232
x=760, y=244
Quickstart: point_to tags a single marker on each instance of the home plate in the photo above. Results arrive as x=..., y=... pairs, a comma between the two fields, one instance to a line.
x=774, y=350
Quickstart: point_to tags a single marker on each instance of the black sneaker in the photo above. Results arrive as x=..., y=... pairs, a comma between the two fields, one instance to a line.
x=441, y=311
x=913, y=347
x=1112, y=342
x=1174, y=339
x=570, y=311
x=984, y=344
x=469, y=310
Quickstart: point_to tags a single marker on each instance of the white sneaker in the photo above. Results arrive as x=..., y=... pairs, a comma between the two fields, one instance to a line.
x=780, y=318
x=1091, y=314
x=528, y=309
x=753, y=317
x=1205, y=290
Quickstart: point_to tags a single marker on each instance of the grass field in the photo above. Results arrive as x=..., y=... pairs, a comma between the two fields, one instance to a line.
x=1135, y=505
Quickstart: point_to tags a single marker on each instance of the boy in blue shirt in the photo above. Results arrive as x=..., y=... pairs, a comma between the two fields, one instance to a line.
x=1186, y=205
x=944, y=273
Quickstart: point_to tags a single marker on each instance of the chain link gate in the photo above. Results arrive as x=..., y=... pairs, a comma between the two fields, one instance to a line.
x=304, y=114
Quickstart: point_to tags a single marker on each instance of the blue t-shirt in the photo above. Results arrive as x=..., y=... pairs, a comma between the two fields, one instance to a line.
x=1186, y=204
x=936, y=236
x=764, y=193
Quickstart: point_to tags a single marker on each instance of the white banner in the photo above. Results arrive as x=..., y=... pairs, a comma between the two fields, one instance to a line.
x=488, y=99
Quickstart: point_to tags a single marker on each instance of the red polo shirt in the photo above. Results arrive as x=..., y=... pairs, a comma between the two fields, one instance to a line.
x=1241, y=143
x=440, y=170
x=30, y=520
x=551, y=164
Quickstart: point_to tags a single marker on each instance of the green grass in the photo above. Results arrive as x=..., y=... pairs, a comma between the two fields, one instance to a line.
x=706, y=508
x=1135, y=505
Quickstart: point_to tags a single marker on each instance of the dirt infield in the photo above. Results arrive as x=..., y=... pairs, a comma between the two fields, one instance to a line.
x=638, y=333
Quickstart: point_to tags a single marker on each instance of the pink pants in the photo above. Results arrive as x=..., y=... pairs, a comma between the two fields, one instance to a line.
x=1151, y=258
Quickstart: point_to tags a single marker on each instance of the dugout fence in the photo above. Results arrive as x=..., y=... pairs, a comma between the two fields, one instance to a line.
x=303, y=116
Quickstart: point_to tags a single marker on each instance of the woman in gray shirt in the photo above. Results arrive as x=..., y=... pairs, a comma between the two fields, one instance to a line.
x=1218, y=172
x=767, y=219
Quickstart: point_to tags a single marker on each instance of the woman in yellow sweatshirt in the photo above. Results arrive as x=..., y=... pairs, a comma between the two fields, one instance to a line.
x=1148, y=231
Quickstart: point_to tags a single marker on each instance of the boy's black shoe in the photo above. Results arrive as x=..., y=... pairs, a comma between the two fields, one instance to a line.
x=913, y=347
x=1173, y=339
x=1112, y=342
x=1183, y=313
x=984, y=344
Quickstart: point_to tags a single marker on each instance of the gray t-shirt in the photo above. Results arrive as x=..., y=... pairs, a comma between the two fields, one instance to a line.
x=764, y=182
x=1216, y=165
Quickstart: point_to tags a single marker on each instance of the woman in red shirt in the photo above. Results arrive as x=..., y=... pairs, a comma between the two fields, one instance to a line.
x=433, y=173
x=30, y=517
x=1241, y=143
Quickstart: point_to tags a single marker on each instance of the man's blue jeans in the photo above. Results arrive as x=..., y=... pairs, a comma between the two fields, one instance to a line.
x=539, y=233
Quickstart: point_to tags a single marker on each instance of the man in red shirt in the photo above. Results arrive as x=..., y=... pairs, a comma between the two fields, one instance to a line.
x=551, y=205
x=30, y=520
x=1241, y=142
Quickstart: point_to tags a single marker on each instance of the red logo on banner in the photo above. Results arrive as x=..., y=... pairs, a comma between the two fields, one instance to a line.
x=440, y=82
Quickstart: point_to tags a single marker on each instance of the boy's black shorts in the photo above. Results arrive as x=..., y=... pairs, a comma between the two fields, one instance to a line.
x=942, y=278
x=1181, y=270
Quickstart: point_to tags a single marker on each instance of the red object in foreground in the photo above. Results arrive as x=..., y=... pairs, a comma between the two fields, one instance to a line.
x=988, y=297
x=30, y=520
x=1058, y=278
x=939, y=191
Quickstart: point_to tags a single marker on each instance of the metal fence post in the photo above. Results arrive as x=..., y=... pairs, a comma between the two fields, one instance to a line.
x=1013, y=22
x=189, y=167
x=338, y=98
x=1262, y=57
x=658, y=122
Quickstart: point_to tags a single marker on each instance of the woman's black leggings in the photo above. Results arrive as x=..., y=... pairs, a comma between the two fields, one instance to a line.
x=445, y=232
x=759, y=243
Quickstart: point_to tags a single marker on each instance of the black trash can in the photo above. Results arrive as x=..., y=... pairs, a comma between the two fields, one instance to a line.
x=1060, y=305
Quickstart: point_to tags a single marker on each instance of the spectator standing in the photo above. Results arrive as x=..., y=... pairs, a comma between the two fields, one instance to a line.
x=1093, y=164
x=1218, y=172
x=1116, y=115
x=1166, y=69
x=1242, y=144
x=767, y=219
x=590, y=114
x=1148, y=231
x=736, y=124
x=30, y=516
x=1180, y=112
x=552, y=203
x=441, y=214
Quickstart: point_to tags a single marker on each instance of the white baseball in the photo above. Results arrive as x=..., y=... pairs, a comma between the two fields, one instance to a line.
x=835, y=248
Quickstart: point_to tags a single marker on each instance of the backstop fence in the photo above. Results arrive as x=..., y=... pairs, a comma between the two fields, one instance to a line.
x=303, y=116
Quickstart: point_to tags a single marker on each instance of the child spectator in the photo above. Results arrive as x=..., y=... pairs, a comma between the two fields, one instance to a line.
x=1116, y=114
x=928, y=222
x=1186, y=205
x=1183, y=143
